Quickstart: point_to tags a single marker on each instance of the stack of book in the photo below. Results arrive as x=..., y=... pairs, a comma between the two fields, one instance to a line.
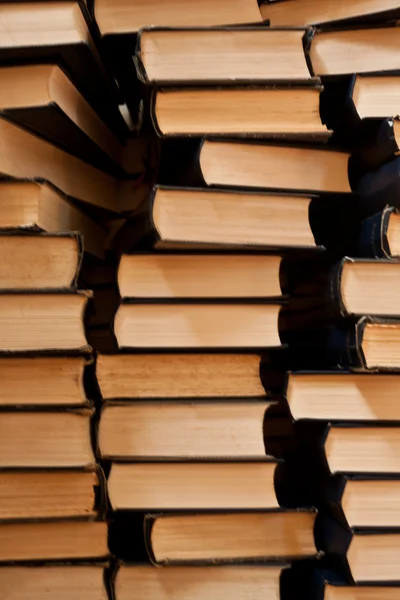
x=343, y=324
x=184, y=430
x=51, y=489
x=272, y=131
x=64, y=150
x=61, y=160
x=202, y=202
x=186, y=425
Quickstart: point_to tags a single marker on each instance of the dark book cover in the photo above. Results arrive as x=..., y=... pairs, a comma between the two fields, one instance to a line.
x=378, y=188
x=337, y=108
x=372, y=145
x=373, y=239
x=120, y=50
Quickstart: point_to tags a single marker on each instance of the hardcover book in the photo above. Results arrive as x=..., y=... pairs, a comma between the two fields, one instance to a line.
x=176, y=375
x=75, y=580
x=237, y=163
x=185, y=218
x=342, y=52
x=214, y=538
x=360, y=555
x=368, y=344
x=220, y=55
x=270, y=112
x=303, y=13
x=198, y=583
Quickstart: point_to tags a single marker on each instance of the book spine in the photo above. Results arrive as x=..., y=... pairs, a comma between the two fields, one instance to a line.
x=315, y=295
x=138, y=232
x=333, y=540
x=110, y=576
x=180, y=163
x=301, y=581
x=148, y=523
x=344, y=346
x=307, y=42
x=377, y=189
x=337, y=108
x=336, y=347
x=372, y=239
x=374, y=145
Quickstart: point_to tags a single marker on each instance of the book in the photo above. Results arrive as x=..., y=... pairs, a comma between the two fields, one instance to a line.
x=301, y=13
x=223, y=54
x=39, y=261
x=121, y=16
x=62, y=33
x=178, y=429
x=44, y=100
x=76, y=581
x=352, y=288
x=49, y=494
x=379, y=235
x=180, y=218
x=43, y=322
x=42, y=381
x=331, y=587
x=195, y=486
x=198, y=276
x=367, y=501
x=361, y=555
x=46, y=439
x=240, y=111
x=53, y=540
x=229, y=537
x=147, y=376
x=26, y=156
x=197, y=583
x=359, y=449
x=368, y=344
x=194, y=325
x=341, y=396
x=342, y=52
x=347, y=101
x=32, y=205
x=238, y=163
